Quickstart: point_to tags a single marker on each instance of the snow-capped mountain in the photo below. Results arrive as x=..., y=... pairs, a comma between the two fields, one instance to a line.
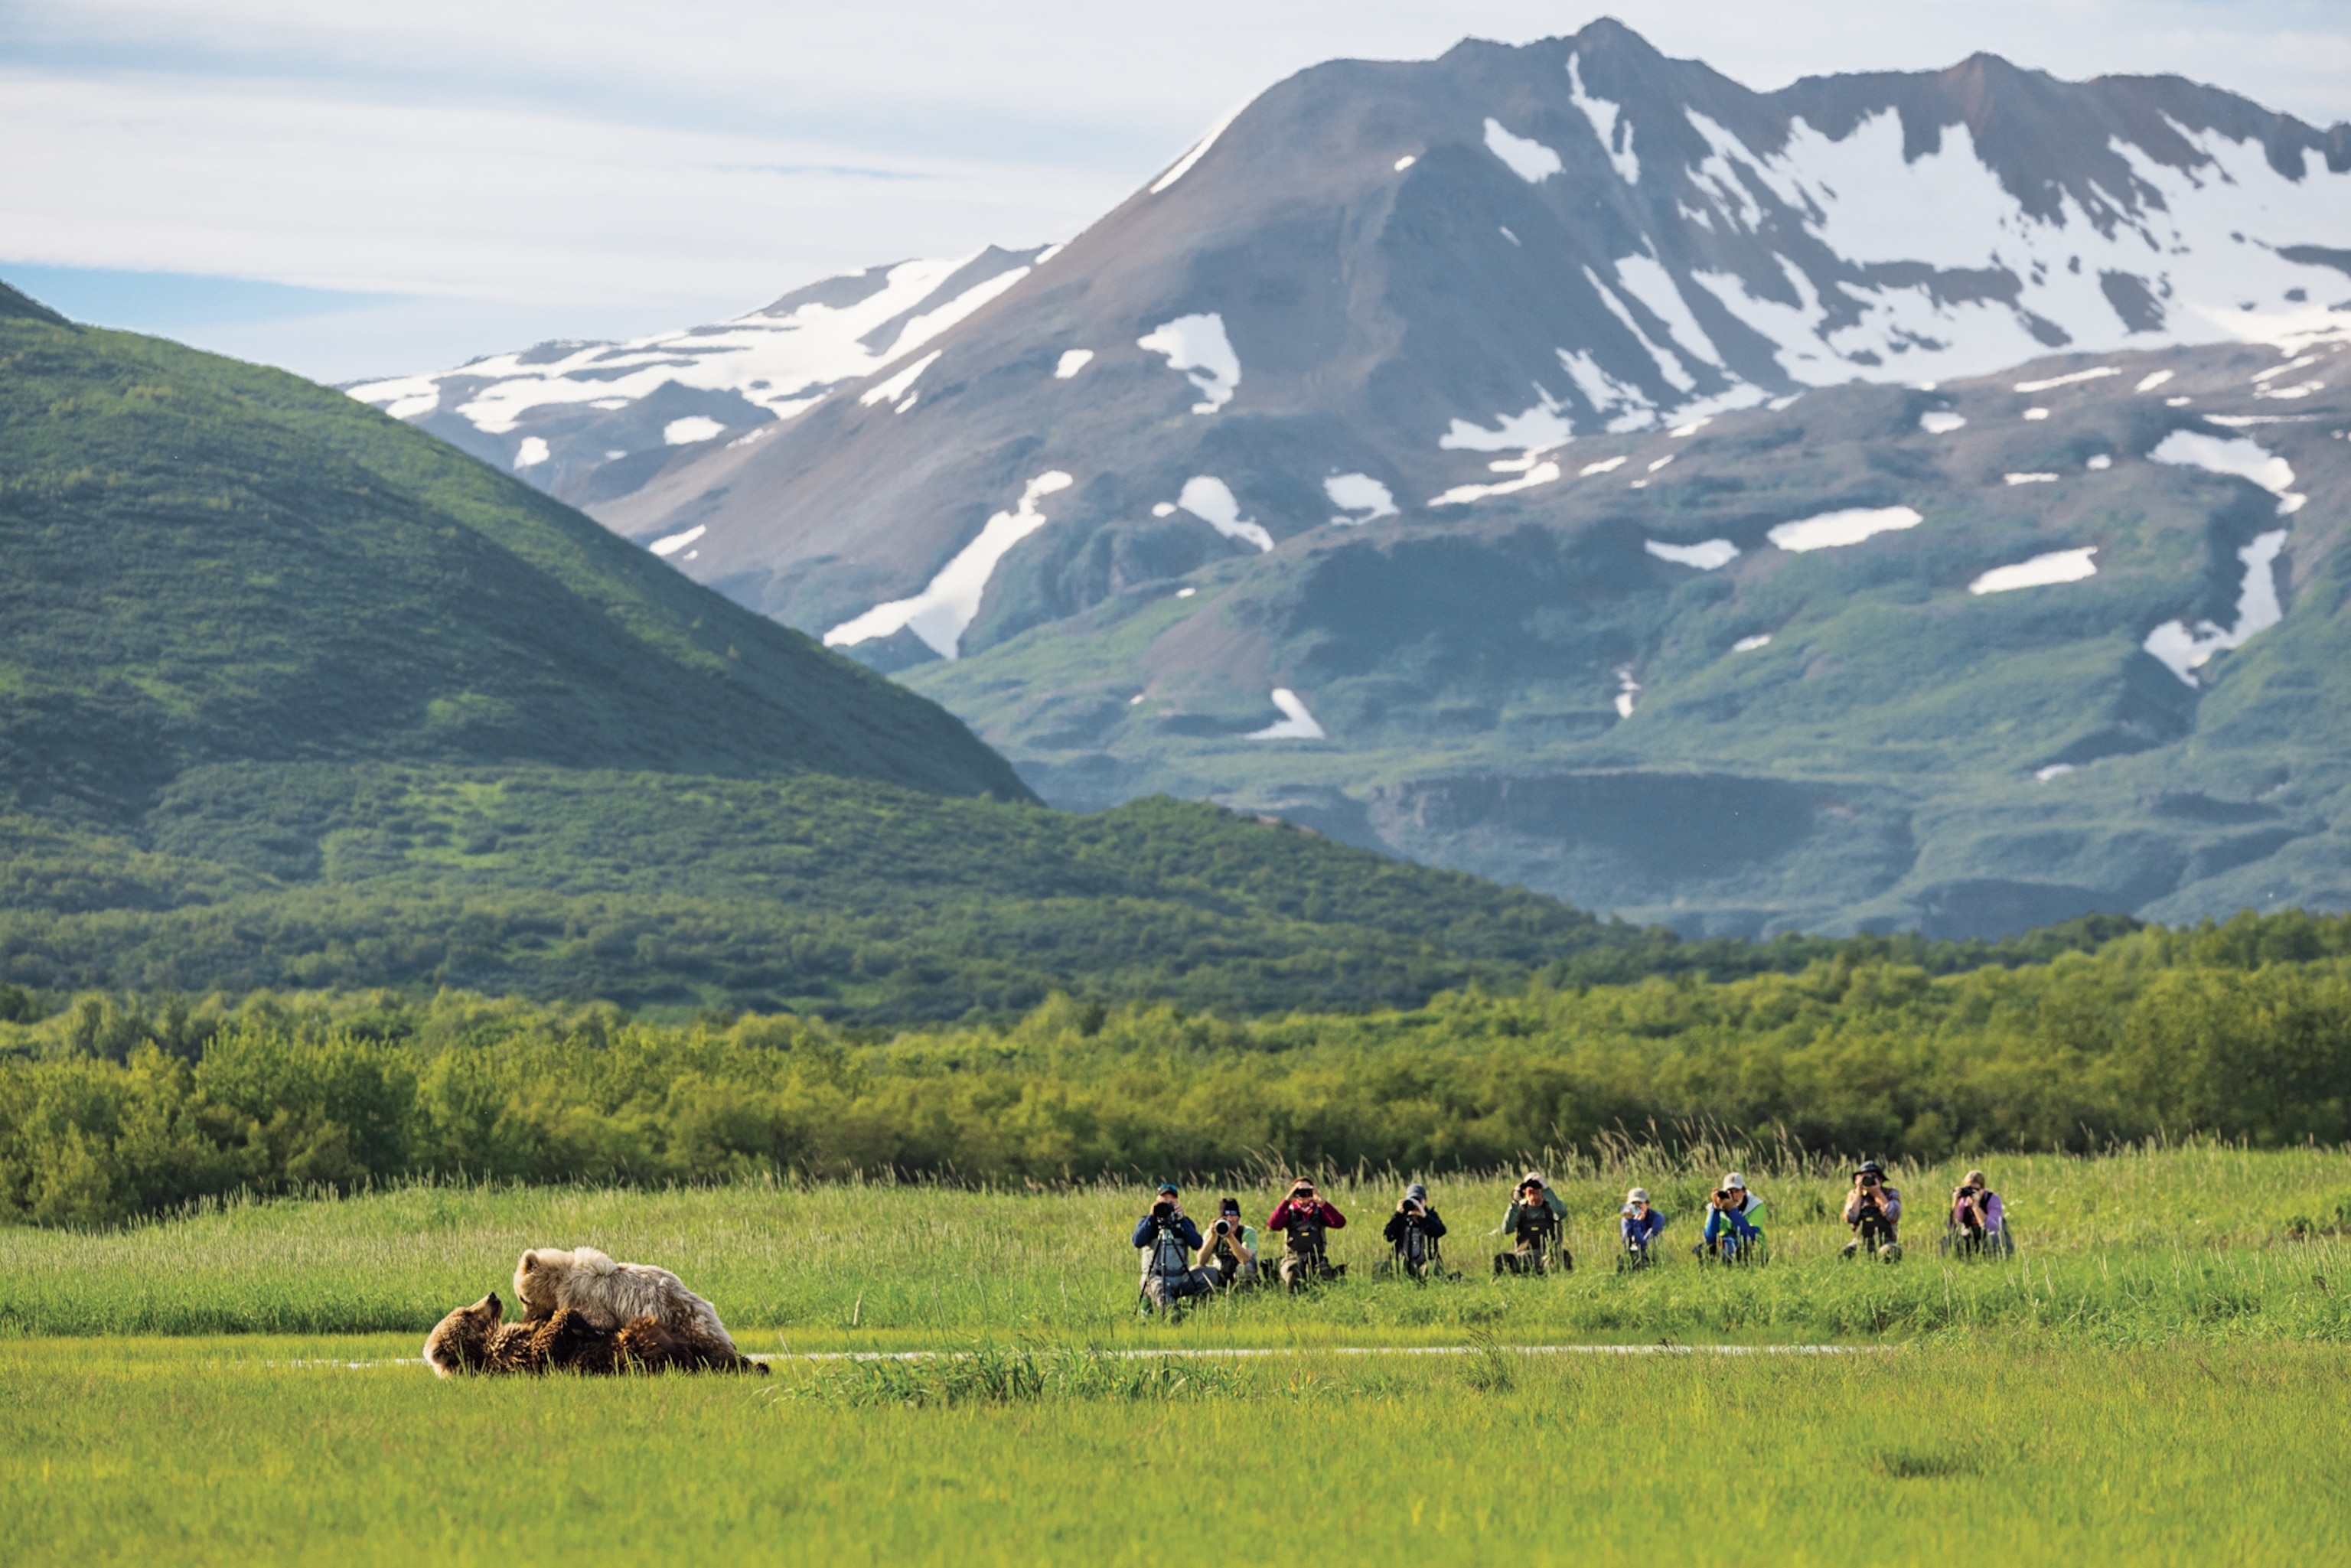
x=1394, y=287
x=589, y=420
x=1562, y=463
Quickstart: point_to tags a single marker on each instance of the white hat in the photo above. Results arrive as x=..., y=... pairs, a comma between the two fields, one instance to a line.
x=1735, y=1180
x=1534, y=1178
x=1638, y=1195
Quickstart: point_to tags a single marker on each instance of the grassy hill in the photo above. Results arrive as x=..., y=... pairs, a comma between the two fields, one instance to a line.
x=210, y=561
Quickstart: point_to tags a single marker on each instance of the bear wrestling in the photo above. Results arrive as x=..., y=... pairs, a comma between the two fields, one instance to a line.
x=475, y=1339
x=608, y=1294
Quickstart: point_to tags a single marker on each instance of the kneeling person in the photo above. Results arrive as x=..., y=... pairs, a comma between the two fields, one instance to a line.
x=1413, y=1232
x=1641, y=1225
x=1166, y=1237
x=1535, y=1224
x=1231, y=1250
x=1874, y=1211
x=1302, y=1217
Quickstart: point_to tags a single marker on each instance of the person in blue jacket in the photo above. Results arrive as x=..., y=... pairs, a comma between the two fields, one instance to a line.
x=1641, y=1224
x=1167, y=1239
x=1731, y=1215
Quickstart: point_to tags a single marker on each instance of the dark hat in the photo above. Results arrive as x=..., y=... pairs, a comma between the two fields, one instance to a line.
x=1167, y=1187
x=1868, y=1166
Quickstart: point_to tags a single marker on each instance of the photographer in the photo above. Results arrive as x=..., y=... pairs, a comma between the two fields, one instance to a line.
x=1874, y=1211
x=1413, y=1232
x=1231, y=1251
x=1536, y=1223
x=1166, y=1237
x=1976, y=1218
x=1303, y=1217
x=1731, y=1220
x=1641, y=1225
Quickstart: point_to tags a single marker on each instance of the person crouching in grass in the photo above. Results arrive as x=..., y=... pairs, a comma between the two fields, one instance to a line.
x=1302, y=1217
x=1535, y=1224
x=1166, y=1237
x=1874, y=1211
x=1413, y=1232
x=1231, y=1250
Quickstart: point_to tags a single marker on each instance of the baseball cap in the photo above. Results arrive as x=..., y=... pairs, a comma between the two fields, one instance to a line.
x=1735, y=1181
x=1638, y=1195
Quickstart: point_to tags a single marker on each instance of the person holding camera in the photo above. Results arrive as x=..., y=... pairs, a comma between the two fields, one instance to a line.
x=1303, y=1217
x=1731, y=1231
x=1536, y=1224
x=1167, y=1238
x=1976, y=1221
x=1641, y=1226
x=1413, y=1232
x=1231, y=1250
x=1874, y=1211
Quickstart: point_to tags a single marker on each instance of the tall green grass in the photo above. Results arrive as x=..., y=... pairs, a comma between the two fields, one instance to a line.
x=206, y=1450
x=2203, y=1242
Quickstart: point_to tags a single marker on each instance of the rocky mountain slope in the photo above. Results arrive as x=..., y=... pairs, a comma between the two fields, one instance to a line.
x=1319, y=477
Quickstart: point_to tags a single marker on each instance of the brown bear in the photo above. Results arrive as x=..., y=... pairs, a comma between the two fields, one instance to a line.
x=478, y=1339
x=608, y=1294
x=568, y=1342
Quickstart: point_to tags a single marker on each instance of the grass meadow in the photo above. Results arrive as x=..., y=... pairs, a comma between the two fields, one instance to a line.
x=2157, y=1377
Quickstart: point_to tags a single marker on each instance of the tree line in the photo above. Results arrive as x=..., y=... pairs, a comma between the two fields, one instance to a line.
x=111, y=1108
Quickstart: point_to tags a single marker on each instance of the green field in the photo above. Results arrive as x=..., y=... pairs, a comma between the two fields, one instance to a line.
x=2203, y=1243
x=212, y=1450
x=2155, y=1378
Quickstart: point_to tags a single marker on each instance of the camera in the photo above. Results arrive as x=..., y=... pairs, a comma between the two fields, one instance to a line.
x=1224, y=1228
x=1723, y=1197
x=1162, y=1210
x=1967, y=1192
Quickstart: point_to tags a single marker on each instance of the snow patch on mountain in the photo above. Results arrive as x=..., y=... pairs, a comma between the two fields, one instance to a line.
x=684, y=432
x=2184, y=652
x=1829, y=530
x=896, y=387
x=1614, y=131
x=531, y=453
x=2239, y=456
x=1359, y=496
x=1211, y=500
x=944, y=610
x=781, y=363
x=1528, y=159
x=2041, y=571
x=1706, y=555
x=1183, y=166
x=678, y=541
x=1197, y=346
x=1537, y=428
x=1942, y=420
x=1295, y=724
x=1071, y=361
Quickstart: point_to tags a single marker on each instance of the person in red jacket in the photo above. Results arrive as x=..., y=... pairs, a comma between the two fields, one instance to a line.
x=1302, y=1218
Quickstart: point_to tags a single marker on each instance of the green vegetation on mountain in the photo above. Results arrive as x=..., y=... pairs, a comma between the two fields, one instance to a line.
x=210, y=561
x=2243, y=1031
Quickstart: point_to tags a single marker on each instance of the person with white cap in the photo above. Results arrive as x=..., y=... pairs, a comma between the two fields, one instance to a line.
x=1641, y=1225
x=1732, y=1233
x=1536, y=1224
x=1413, y=1232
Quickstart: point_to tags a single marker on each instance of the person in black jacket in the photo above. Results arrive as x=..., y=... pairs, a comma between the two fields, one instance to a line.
x=1413, y=1233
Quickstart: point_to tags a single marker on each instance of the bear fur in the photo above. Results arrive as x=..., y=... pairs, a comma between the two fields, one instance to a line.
x=476, y=1339
x=608, y=1295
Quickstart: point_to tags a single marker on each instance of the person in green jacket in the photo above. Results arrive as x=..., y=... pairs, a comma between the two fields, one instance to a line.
x=1536, y=1227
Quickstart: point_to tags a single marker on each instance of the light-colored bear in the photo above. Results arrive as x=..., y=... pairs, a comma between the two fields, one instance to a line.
x=608, y=1295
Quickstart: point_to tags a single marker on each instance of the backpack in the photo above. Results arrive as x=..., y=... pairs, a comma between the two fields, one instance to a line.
x=1304, y=1234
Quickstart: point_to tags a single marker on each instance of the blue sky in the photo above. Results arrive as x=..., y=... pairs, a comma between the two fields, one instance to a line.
x=350, y=189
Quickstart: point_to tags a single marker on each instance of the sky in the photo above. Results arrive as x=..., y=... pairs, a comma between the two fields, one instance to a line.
x=354, y=190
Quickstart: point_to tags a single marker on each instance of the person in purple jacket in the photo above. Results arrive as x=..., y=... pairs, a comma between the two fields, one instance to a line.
x=1977, y=1223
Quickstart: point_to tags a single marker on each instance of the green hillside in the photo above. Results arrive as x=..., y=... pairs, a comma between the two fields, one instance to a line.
x=210, y=561
x=1835, y=738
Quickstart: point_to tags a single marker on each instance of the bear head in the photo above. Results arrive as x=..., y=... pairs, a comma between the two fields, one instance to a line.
x=461, y=1342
